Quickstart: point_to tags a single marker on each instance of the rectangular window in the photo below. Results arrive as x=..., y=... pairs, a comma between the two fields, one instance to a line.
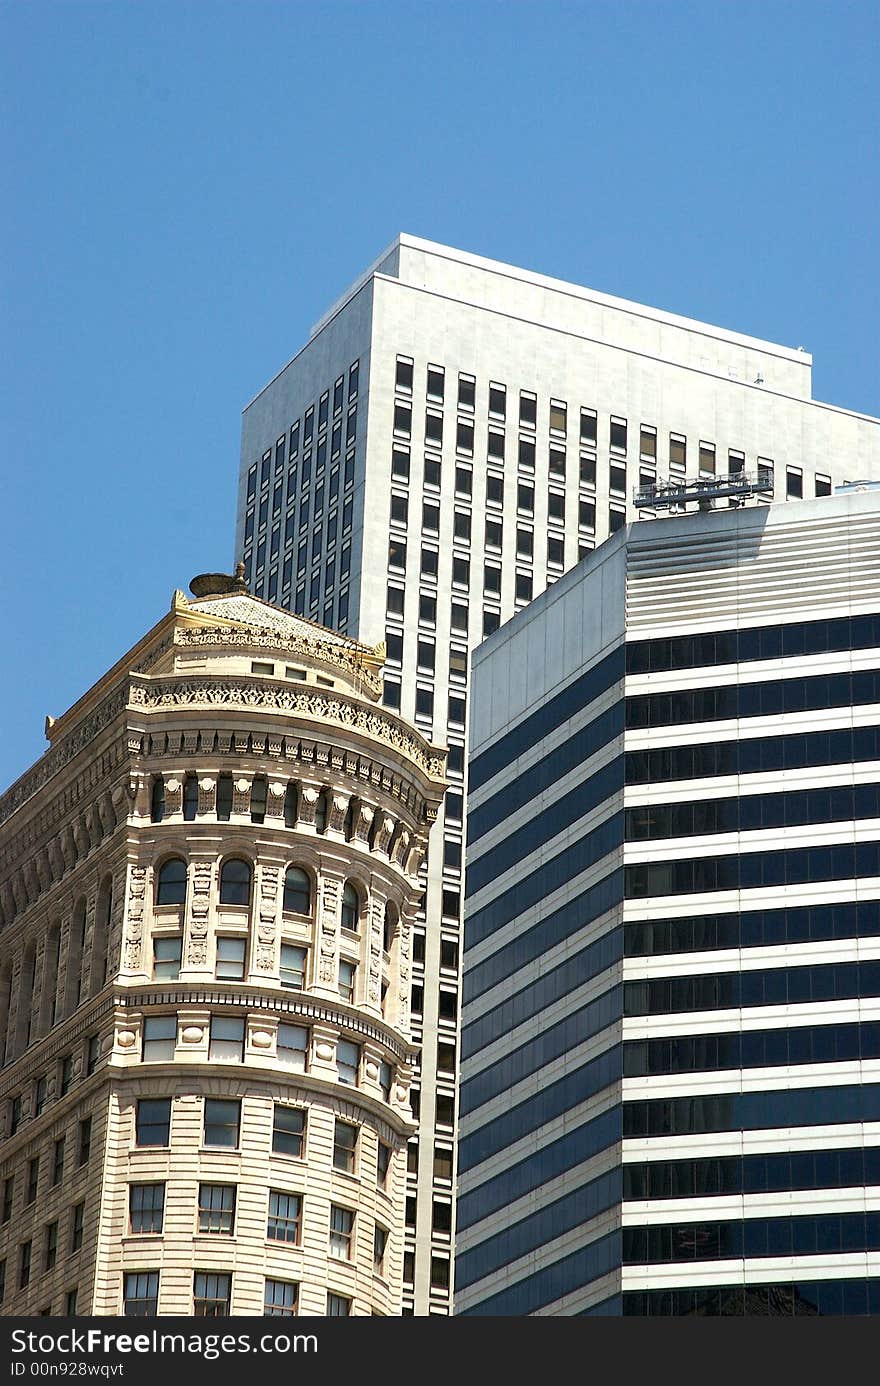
x=525, y=542
x=341, y=1229
x=348, y=1062
x=588, y=469
x=558, y=416
x=77, y=1223
x=400, y=463
x=525, y=497
x=397, y=554
x=618, y=434
x=495, y=445
x=588, y=426
x=430, y=517
x=293, y=966
x=222, y=1121
x=459, y=617
x=433, y=429
x=617, y=479
x=216, y=1209
x=424, y=702
x=146, y=1207
x=293, y=1047
x=383, y=1164
x=50, y=1246
x=497, y=400
x=85, y=1141
x=140, y=1294
x=528, y=409
x=58, y=1161
x=677, y=451
x=288, y=1130
x=211, y=1295
x=464, y=478
x=285, y=1217
x=69, y=1303
x=556, y=505
x=442, y=1163
x=153, y=1121
x=40, y=1095
x=33, y=1179
x=230, y=959
x=436, y=382
x=166, y=957
x=464, y=436
x=648, y=442
x=227, y=1039
x=347, y=976
x=159, y=1038
x=280, y=1298
x=494, y=534
x=380, y=1242
x=556, y=461
x=461, y=571
x=344, y=1146
x=432, y=473
x=707, y=458
x=403, y=379
x=338, y=1307
x=823, y=485
x=794, y=483
x=526, y=454
x=587, y=514
x=467, y=387
x=461, y=529
x=523, y=587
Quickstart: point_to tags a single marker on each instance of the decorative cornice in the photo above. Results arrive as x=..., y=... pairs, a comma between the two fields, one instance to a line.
x=303, y=1005
x=310, y=649
x=59, y=755
x=243, y=694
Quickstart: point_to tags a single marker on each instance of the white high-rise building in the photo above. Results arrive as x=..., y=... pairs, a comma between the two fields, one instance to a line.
x=453, y=436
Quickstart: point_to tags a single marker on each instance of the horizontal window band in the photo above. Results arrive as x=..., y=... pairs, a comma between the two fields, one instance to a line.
x=572, y=1210
x=771, y=698
x=554, y=1099
x=807, y=1044
x=702, y=650
x=542, y=992
x=539, y=1168
x=749, y=870
x=541, y=827
x=851, y=1167
x=541, y=1050
x=793, y=808
x=534, y=888
x=569, y=1273
x=547, y=718
x=550, y=930
x=752, y=1111
x=856, y=1296
x=772, y=986
x=751, y=755
x=753, y=928
x=548, y=771
x=752, y=1237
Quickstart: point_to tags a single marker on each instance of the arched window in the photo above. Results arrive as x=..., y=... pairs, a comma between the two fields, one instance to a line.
x=297, y=891
x=291, y=805
x=235, y=882
x=190, y=798
x=259, y=793
x=171, y=883
x=101, y=936
x=389, y=927
x=157, y=799
x=321, y=812
x=351, y=907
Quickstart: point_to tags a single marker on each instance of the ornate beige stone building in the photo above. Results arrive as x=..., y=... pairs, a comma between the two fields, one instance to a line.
x=207, y=887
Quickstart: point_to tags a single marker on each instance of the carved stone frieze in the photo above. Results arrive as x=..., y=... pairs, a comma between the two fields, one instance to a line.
x=329, y=926
x=314, y=704
x=134, y=921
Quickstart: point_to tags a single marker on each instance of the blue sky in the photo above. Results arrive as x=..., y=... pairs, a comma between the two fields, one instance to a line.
x=188, y=186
